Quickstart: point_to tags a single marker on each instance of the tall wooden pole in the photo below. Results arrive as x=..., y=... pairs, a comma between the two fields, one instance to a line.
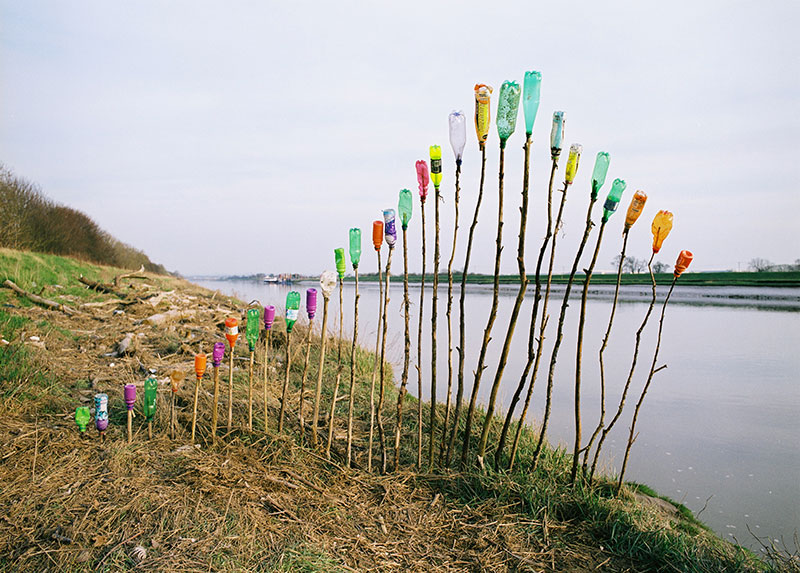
x=320, y=369
x=560, y=331
x=533, y=353
x=449, y=318
x=406, y=353
x=523, y=286
x=338, y=370
x=375, y=363
x=487, y=333
x=419, y=340
x=351, y=401
x=462, y=314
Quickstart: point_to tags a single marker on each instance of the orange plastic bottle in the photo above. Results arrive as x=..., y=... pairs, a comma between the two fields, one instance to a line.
x=199, y=364
x=231, y=330
x=377, y=234
x=684, y=260
x=662, y=225
x=635, y=208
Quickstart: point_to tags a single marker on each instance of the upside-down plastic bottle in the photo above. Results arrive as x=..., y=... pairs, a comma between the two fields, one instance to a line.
x=507, y=110
x=483, y=95
x=662, y=225
x=599, y=172
x=635, y=208
x=613, y=199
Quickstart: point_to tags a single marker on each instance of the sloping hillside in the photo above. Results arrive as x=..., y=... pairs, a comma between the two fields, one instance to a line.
x=32, y=222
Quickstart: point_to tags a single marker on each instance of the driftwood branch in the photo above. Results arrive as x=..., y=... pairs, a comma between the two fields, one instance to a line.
x=39, y=300
x=131, y=275
x=99, y=287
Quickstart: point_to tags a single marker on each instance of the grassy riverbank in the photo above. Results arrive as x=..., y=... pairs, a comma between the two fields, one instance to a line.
x=257, y=499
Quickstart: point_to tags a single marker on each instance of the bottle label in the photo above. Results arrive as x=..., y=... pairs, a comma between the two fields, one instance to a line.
x=232, y=330
x=436, y=165
x=291, y=314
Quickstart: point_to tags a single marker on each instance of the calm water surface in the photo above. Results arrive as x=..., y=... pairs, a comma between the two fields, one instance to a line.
x=720, y=427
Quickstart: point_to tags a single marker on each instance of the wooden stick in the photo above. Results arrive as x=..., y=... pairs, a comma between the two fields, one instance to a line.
x=194, y=409
x=39, y=300
x=338, y=371
x=382, y=395
x=449, y=319
x=487, y=333
x=230, y=394
x=462, y=314
x=250, y=391
x=627, y=386
x=99, y=287
x=653, y=370
x=301, y=413
x=320, y=368
x=172, y=417
x=512, y=323
x=285, y=380
x=375, y=364
x=267, y=347
x=434, y=320
x=532, y=354
x=351, y=402
x=560, y=331
x=406, y=354
x=214, y=415
x=130, y=426
x=128, y=275
x=419, y=341
x=579, y=353
x=607, y=335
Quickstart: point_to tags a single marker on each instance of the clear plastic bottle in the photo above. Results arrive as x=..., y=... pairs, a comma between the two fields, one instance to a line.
x=458, y=133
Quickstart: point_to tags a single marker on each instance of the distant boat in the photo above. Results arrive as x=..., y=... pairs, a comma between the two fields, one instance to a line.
x=282, y=279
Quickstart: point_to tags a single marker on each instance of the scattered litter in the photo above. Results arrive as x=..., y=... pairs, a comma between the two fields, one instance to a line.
x=139, y=553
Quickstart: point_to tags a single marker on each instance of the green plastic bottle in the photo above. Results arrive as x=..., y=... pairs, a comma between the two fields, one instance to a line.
x=613, y=199
x=404, y=206
x=82, y=417
x=253, y=328
x=150, y=393
x=507, y=108
x=355, y=246
x=293, y=306
x=341, y=263
x=599, y=173
x=530, y=98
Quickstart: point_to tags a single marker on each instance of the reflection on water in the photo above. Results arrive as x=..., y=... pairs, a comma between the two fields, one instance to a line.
x=721, y=422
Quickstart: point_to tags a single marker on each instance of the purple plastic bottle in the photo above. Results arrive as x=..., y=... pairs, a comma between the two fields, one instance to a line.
x=311, y=303
x=269, y=316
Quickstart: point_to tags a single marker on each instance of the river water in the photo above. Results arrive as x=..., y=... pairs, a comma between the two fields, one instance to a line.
x=720, y=426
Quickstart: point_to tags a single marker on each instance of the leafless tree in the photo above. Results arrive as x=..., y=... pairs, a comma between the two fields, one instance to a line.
x=660, y=267
x=760, y=265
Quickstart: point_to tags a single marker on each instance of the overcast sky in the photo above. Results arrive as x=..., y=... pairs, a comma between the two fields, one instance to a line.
x=242, y=137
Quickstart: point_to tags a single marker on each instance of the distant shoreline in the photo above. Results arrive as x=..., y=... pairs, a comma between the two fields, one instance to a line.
x=785, y=279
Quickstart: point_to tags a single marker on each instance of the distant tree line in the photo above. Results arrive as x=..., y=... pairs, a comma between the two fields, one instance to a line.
x=632, y=265
x=759, y=265
x=30, y=221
